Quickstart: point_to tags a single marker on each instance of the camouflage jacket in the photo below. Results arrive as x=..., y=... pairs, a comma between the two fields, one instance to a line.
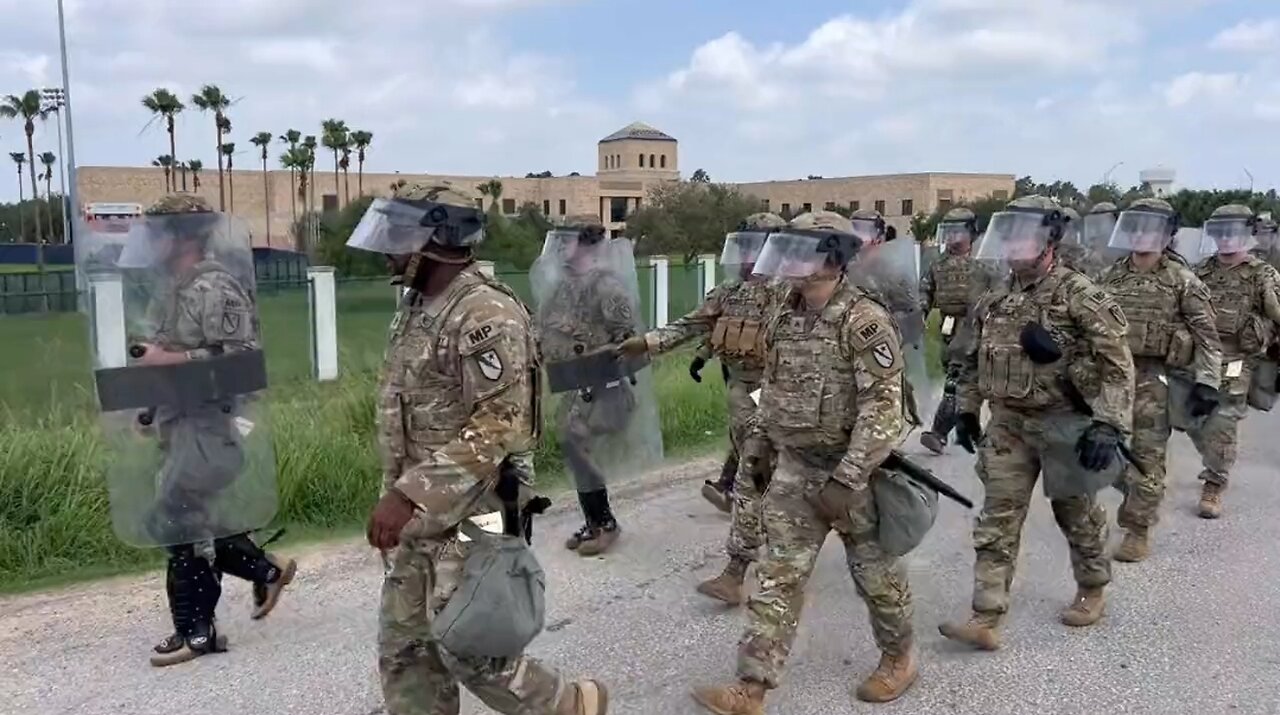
x=458, y=393
x=953, y=284
x=585, y=312
x=1083, y=259
x=833, y=383
x=205, y=312
x=1171, y=318
x=1246, y=300
x=1087, y=325
x=732, y=318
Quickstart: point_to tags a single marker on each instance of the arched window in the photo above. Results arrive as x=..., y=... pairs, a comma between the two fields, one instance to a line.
x=662, y=161
x=642, y=161
x=651, y=157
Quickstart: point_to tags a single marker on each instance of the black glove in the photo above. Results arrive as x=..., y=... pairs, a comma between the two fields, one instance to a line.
x=1039, y=345
x=968, y=431
x=1098, y=446
x=1203, y=400
x=695, y=369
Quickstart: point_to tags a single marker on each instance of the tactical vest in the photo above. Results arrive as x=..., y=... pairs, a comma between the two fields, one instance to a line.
x=1005, y=373
x=810, y=397
x=738, y=335
x=953, y=278
x=1242, y=326
x=422, y=404
x=571, y=322
x=1152, y=303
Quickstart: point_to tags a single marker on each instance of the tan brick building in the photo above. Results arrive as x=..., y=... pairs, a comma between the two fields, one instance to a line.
x=629, y=161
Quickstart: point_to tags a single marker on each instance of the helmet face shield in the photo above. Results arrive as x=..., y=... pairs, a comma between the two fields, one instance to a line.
x=1142, y=231
x=1015, y=236
x=797, y=253
x=1228, y=235
x=393, y=228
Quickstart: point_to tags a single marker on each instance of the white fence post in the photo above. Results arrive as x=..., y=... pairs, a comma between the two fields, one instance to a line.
x=106, y=297
x=708, y=273
x=661, y=290
x=486, y=267
x=323, y=308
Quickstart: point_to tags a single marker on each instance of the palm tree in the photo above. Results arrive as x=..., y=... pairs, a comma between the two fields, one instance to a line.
x=292, y=137
x=493, y=189
x=19, y=158
x=196, y=166
x=48, y=159
x=345, y=165
x=309, y=144
x=182, y=169
x=29, y=108
x=211, y=99
x=361, y=140
x=164, y=161
x=262, y=140
x=334, y=136
x=164, y=103
x=229, y=149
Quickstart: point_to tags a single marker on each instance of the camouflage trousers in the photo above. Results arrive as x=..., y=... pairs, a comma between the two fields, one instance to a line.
x=1150, y=440
x=795, y=531
x=1216, y=440
x=1009, y=462
x=421, y=678
x=745, y=531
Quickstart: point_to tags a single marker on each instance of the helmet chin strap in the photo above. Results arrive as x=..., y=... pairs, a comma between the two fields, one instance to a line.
x=453, y=260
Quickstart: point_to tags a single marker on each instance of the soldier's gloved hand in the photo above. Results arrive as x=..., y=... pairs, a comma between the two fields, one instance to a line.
x=1039, y=345
x=968, y=431
x=1098, y=446
x=632, y=347
x=1202, y=400
x=695, y=368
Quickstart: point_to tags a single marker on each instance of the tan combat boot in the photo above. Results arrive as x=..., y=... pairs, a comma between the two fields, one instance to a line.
x=933, y=442
x=267, y=595
x=585, y=697
x=1135, y=547
x=600, y=541
x=718, y=498
x=740, y=698
x=727, y=586
x=1211, y=500
x=981, y=631
x=891, y=678
x=1085, y=610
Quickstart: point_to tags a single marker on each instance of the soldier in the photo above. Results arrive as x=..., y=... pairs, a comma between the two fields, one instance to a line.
x=1084, y=248
x=952, y=284
x=193, y=268
x=1171, y=325
x=733, y=315
x=1244, y=290
x=829, y=436
x=1044, y=336
x=588, y=301
x=458, y=399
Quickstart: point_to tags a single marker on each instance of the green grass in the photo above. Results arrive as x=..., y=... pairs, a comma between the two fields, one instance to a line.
x=28, y=268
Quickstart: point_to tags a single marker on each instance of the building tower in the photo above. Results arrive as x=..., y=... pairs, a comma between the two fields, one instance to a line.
x=1160, y=179
x=627, y=161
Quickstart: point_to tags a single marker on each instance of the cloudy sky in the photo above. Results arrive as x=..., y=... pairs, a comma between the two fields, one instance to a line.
x=1052, y=88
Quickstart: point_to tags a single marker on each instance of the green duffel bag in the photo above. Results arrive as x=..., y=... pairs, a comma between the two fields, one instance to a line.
x=905, y=511
x=500, y=604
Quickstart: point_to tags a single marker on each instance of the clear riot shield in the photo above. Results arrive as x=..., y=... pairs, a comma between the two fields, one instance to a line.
x=181, y=380
x=1188, y=244
x=890, y=271
x=587, y=300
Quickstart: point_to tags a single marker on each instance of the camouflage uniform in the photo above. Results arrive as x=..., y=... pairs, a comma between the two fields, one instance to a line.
x=829, y=437
x=1171, y=323
x=458, y=395
x=952, y=284
x=1246, y=297
x=1024, y=397
x=734, y=315
x=206, y=311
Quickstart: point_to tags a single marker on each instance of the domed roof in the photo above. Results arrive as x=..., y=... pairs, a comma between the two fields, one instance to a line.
x=638, y=130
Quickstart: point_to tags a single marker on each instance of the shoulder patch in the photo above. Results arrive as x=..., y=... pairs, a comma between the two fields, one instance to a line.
x=479, y=335
x=490, y=364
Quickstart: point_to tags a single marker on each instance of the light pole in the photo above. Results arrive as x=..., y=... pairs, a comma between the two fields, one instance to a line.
x=54, y=99
x=71, y=196
x=1106, y=177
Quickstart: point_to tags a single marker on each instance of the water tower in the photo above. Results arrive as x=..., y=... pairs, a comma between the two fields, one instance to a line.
x=1160, y=179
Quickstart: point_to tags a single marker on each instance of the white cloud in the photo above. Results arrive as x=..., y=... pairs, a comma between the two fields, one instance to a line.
x=1248, y=36
x=1193, y=86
